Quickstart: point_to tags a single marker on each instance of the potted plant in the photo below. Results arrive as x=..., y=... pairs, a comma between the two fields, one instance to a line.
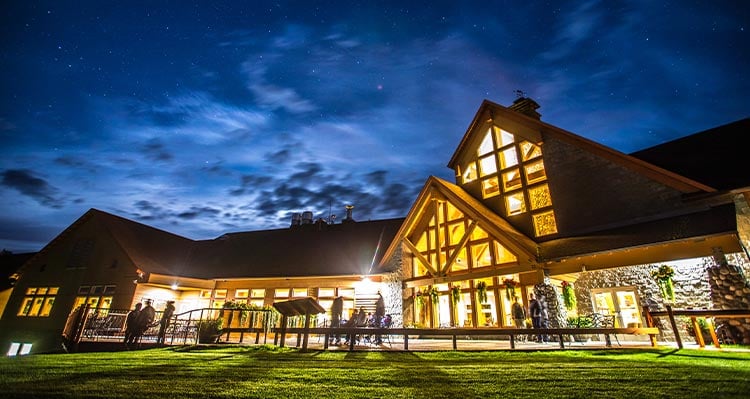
x=209, y=330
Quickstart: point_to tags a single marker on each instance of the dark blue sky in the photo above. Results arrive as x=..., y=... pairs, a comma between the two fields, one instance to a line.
x=213, y=117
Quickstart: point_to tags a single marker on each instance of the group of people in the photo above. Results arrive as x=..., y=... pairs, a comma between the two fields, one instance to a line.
x=359, y=318
x=141, y=318
x=538, y=313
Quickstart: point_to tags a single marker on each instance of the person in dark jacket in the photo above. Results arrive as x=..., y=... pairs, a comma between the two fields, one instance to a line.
x=535, y=310
x=379, y=314
x=131, y=325
x=166, y=317
x=337, y=308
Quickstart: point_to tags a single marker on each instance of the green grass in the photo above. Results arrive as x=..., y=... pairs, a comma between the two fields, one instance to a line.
x=268, y=372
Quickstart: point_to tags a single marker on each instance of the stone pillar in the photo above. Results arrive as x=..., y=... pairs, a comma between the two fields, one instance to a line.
x=730, y=290
x=553, y=298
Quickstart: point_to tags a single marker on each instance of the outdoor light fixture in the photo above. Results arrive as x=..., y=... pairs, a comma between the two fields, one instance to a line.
x=174, y=286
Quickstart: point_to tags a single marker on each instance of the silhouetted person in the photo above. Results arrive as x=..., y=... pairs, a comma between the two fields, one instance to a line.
x=145, y=319
x=379, y=314
x=131, y=325
x=337, y=308
x=166, y=317
x=519, y=315
x=535, y=309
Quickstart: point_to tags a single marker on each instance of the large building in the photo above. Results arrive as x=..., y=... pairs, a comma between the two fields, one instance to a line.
x=533, y=208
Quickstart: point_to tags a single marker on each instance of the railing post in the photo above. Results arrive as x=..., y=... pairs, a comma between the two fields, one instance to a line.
x=674, y=326
x=714, y=338
x=698, y=332
x=406, y=342
x=512, y=341
x=649, y=323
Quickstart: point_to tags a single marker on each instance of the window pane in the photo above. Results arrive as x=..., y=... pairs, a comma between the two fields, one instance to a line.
x=539, y=197
x=481, y=255
x=25, y=307
x=490, y=187
x=461, y=262
x=241, y=293
x=346, y=292
x=281, y=293
x=53, y=291
x=487, y=165
x=456, y=232
x=79, y=301
x=41, y=291
x=535, y=172
x=453, y=212
x=47, y=307
x=205, y=293
x=470, y=174
x=486, y=147
x=502, y=254
x=529, y=151
x=511, y=180
x=478, y=233
x=258, y=293
x=109, y=289
x=36, y=306
x=30, y=291
x=106, y=302
x=515, y=203
x=299, y=292
x=220, y=294
x=544, y=223
x=326, y=292
x=508, y=158
x=505, y=137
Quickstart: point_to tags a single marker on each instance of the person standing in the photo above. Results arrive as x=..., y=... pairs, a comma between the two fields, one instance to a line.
x=519, y=314
x=145, y=319
x=337, y=308
x=166, y=317
x=535, y=309
x=131, y=325
x=379, y=314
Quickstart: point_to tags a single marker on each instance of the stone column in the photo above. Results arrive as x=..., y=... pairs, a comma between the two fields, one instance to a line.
x=730, y=290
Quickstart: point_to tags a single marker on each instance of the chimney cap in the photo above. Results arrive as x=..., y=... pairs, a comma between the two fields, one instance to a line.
x=525, y=105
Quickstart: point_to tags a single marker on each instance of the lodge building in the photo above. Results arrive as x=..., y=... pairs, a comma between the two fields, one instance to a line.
x=533, y=207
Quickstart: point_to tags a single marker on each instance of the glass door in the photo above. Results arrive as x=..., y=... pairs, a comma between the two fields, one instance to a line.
x=619, y=302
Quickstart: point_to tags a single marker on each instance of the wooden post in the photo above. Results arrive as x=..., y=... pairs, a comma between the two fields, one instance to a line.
x=454, y=342
x=698, y=332
x=674, y=326
x=512, y=341
x=607, y=341
x=283, y=331
x=406, y=342
x=562, y=344
x=307, y=332
x=649, y=323
x=714, y=338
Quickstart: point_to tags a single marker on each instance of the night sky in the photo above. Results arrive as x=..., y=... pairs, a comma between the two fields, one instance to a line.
x=215, y=117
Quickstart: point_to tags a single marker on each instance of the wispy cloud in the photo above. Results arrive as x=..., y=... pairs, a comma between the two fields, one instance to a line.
x=28, y=184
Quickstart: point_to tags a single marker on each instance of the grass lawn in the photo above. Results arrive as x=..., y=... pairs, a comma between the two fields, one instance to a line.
x=269, y=372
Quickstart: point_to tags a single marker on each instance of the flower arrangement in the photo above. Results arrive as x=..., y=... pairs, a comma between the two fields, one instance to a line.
x=663, y=276
x=455, y=294
x=510, y=288
x=569, y=295
x=434, y=295
x=482, y=291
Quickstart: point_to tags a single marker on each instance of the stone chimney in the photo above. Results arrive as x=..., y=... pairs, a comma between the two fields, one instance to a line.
x=525, y=105
x=349, y=218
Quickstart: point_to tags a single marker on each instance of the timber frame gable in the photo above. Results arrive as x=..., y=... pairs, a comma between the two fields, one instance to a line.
x=450, y=236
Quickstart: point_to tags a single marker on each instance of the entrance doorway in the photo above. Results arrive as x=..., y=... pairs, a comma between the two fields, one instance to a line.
x=620, y=302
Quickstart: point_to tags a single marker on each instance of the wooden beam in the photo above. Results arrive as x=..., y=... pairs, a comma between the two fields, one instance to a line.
x=461, y=245
x=420, y=257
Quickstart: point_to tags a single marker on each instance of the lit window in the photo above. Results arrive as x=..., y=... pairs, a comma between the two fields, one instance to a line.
x=508, y=158
x=346, y=292
x=38, y=302
x=506, y=138
x=220, y=294
x=490, y=187
x=487, y=165
x=453, y=212
x=544, y=223
x=478, y=233
x=205, y=294
x=535, y=172
x=481, y=255
x=326, y=292
x=14, y=347
x=456, y=232
x=281, y=293
x=539, y=197
x=471, y=172
x=515, y=204
x=258, y=293
x=418, y=268
x=486, y=147
x=299, y=292
x=241, y=293
x=511, y=180
x=503, y=255
x=461, y=262
x=530, y=151
x=422, y=243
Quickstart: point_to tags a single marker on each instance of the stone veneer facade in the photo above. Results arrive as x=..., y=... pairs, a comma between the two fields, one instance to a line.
x=717, y=282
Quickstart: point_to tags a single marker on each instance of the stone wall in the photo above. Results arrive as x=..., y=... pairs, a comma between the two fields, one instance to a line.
x=392, y=288
x=700, y=283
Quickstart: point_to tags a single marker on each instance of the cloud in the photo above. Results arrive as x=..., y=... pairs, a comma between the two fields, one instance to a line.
x=28, y=184
x=156, y=151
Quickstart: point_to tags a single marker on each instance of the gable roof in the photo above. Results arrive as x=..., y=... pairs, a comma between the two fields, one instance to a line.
x=345, y=249
x=713, y=157
x=436, y=188
x=492, y=111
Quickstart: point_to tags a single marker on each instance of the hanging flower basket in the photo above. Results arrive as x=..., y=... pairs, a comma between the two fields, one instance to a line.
x=455, y=294
x=482, y=291
x=510, y=288
x=569, y=295
x=663, y=276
